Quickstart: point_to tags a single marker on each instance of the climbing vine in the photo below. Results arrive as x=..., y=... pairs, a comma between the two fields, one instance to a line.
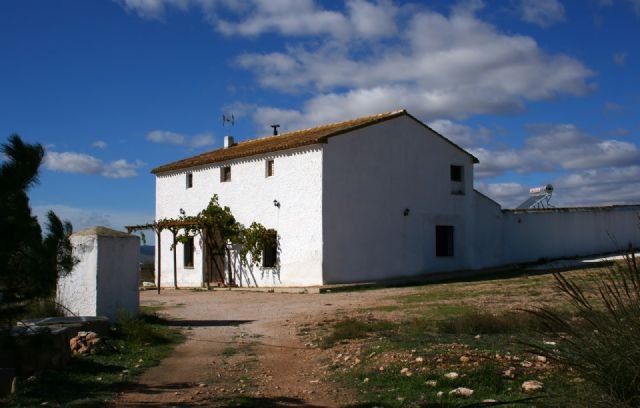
x=218, y=229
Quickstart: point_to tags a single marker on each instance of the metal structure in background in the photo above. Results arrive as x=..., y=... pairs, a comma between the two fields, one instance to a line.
x=540, y=197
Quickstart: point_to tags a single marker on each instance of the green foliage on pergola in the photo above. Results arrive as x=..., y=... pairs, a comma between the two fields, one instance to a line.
x=218, y=229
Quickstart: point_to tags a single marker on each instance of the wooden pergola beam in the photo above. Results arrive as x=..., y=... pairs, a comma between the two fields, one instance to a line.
x=157, y=227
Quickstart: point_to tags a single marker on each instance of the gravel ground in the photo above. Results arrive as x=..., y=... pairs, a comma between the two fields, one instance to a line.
x=246, y=345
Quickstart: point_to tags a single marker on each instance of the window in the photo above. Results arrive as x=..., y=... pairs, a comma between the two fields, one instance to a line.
x=268, y=171
x=189, y=180
x=270, y=252
x=457, y=180
x=444, y=240
x=456, y=172
x=188, y=253
x=225, y=174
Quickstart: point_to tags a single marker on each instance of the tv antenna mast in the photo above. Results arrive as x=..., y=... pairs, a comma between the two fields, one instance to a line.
x=228, y=119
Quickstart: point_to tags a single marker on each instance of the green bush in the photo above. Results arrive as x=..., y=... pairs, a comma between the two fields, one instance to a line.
x=487, y=323
x=351, y=328
x=601, y=343
x=140, y=330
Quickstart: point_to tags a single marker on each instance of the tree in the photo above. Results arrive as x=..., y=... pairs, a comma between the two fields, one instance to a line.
x=29, y=263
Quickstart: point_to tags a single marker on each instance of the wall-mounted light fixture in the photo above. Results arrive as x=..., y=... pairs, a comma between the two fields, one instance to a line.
x=406, y=212
x=276, y=203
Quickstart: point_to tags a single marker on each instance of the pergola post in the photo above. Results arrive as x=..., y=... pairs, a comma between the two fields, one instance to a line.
x=158, y=234
x=174, y=231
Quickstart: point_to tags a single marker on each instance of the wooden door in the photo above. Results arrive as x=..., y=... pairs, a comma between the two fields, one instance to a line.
x=214, y=270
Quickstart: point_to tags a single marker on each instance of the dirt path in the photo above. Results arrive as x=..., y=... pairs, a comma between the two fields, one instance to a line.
x=243, y=347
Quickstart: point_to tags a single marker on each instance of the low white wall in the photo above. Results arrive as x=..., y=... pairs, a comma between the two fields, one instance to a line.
x=487, y=243
x=569, y=232
x=118, y=276
x=104, y=282
x=77, y=290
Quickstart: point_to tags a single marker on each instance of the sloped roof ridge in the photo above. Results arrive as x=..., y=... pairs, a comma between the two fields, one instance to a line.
x=283, y=141
x=328, y=125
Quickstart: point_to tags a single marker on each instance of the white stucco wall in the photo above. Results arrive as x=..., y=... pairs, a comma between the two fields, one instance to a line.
x=370, y=176
x=296, y=185
x=104, y=282
x=486, y=248
x=77, y=290
x=569, y=232
x=117, y=279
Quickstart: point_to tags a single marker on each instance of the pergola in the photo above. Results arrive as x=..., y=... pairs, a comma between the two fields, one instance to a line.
x=172, y=225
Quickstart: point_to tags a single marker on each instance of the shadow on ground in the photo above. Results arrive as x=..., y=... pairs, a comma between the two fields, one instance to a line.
x=205, y=323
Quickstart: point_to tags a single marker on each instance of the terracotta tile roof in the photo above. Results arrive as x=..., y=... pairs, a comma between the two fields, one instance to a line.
x=285, y=141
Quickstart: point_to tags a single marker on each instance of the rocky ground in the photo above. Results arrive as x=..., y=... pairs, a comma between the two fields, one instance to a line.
x=245, y=348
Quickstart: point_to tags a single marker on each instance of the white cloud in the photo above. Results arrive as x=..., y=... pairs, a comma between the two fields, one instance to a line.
x=620, y=58
x=508, y=194
x=617, y=185
x=620, y=132
x=463, y=135
x=288, y=17
x=165, y=136
x=153, y=9
x=202, y=139
x=168, y=137
x=100, y=144
x=372, y=19
x=608, y=186
x=552, y=148
x=439, y=67
x=541, y=12
x=71, y=162
x=612, y=107
x=121, y=169
x=493, y=163
x=82, y=218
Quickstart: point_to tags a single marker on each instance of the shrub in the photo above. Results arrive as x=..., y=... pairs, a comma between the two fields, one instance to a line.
x=600, y=343
x=351, y=328
x=487, y=323
x=139, y=330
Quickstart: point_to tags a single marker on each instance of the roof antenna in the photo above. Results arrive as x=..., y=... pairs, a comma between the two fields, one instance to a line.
x=275, y=129
x=228, y=119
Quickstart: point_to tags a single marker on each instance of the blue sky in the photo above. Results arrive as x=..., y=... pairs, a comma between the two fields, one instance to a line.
x=541, y=91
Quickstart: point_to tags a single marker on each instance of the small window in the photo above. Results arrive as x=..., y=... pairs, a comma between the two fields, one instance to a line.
x=270, y=252
x=444, y=240
x=188, y=253
x=456, y=172
x=268, y=171
x=189, y=180
x=225, y=174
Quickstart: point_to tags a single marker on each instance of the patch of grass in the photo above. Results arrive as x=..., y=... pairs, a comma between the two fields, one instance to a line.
x=93, y=380
x=445, y=322
x=391, y=388
x=442, y=311
x=487, y=323
x=43, y=308
x=601, y=344
x=350, y=329
x=229, y=351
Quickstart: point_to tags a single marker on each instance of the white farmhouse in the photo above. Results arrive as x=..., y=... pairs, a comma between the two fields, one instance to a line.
x=369, y=199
